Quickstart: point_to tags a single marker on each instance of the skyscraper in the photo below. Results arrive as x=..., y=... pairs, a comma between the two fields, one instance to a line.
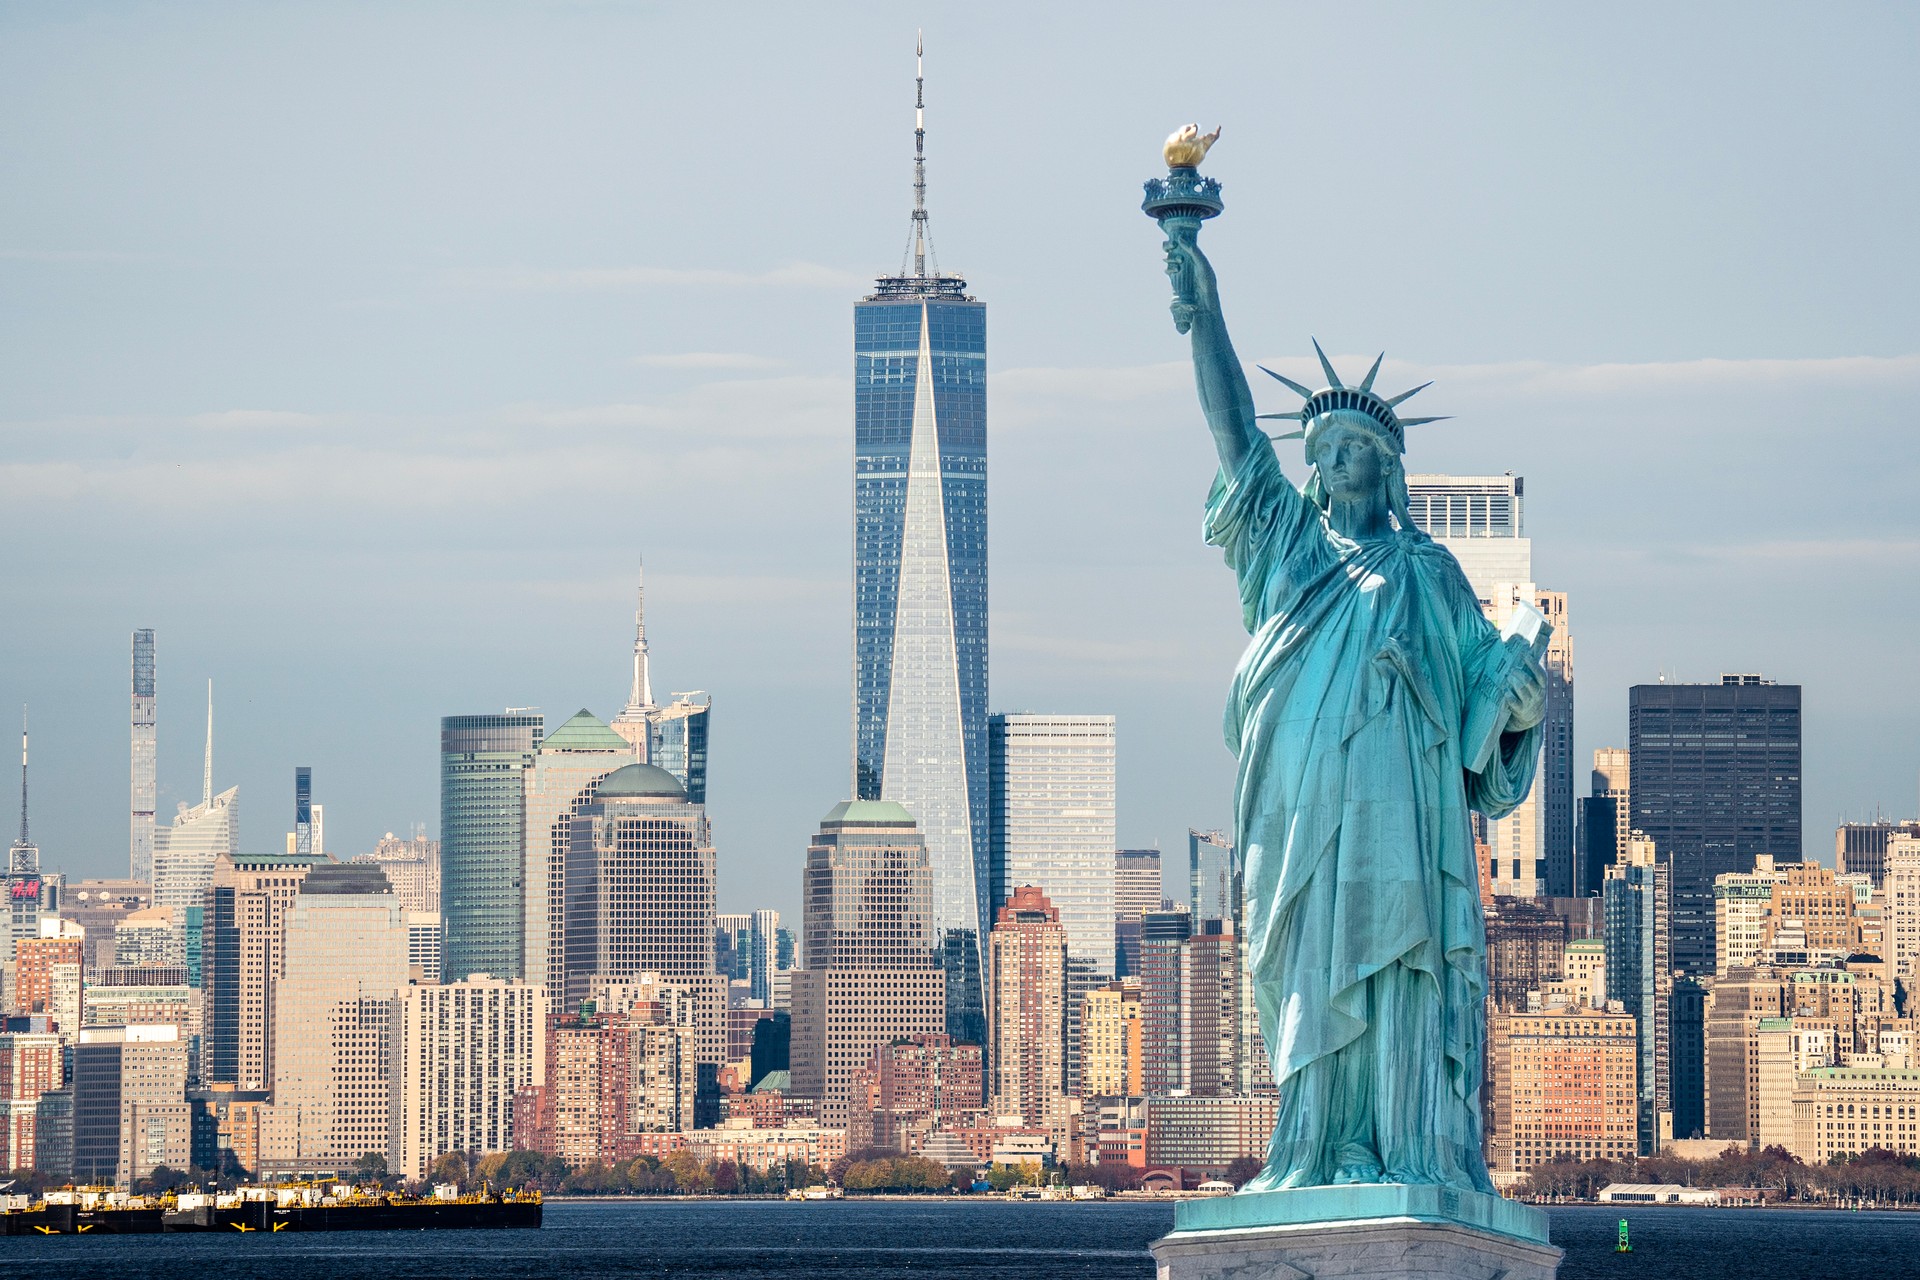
x=184, y=854
x=303, y=810
x=1715, y=782
x=1213, y=877
x=1555, y=785
x=145, y=760
x=1026, y=1010
x=868, y=949
x=24, y=890
x=673, y=737
x=920, y=579
x=1481, y=520
x=334, y=1011
x=640, y=895
x=1639, y=933
x=483, y=840
x=1051, y=783
x=569, y=763
x=242, y=958
x=680, y=741
x=1136, y=882
x=1605, y=819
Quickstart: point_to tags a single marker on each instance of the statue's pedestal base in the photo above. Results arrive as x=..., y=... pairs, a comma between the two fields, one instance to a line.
x=1365, y=1232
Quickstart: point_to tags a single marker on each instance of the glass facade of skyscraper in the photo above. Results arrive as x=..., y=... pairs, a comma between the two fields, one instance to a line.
x=1053, y=822
x=482, y=840
x=1715, y=783
x=920, y=593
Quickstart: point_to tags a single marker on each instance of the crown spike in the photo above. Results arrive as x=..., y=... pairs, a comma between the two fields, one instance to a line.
x=1299, y=415
x=1289, y=435
x=1333, y=379
x=1366, y=383
x=1407, y=395
x=1420, y=422
x=1301, y=391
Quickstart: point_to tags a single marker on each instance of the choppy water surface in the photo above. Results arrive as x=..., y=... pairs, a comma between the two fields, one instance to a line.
x=719, y=1240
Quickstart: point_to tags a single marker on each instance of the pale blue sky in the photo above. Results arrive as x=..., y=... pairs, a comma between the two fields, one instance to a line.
x=361, y=351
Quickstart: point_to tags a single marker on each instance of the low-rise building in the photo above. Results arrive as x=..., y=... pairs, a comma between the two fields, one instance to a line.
x=1209, y=1133
x=910, y=1088
x=765, y=1149
x=1842, y=1111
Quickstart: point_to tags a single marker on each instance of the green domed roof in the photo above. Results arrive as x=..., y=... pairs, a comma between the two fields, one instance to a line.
x=641, y=780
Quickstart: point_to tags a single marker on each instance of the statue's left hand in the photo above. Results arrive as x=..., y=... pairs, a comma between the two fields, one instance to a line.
x=1526, y=686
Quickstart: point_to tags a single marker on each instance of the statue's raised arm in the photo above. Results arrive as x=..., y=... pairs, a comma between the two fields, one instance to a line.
x=1224, y=395
x=1180, y=203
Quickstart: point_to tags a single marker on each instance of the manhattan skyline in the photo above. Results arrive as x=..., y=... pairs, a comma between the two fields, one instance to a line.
x=370, y=401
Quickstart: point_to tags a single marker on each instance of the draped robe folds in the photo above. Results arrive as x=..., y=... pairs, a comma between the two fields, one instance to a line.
x=1365, y=939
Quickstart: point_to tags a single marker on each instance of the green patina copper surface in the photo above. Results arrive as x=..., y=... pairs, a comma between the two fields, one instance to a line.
x=1354, y=713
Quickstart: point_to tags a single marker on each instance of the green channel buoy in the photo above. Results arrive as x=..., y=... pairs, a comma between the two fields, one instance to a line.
x=1623, y=1246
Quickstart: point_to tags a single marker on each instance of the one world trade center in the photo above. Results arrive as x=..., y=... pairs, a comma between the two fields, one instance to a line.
x=920, y=580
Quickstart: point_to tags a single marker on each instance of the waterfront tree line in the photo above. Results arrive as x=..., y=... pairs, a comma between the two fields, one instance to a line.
x=1875, y=1176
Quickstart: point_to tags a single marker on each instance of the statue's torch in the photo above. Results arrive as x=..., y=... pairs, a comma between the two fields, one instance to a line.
x=1183, y=199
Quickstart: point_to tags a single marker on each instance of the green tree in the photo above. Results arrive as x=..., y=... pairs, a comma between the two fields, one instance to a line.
x=451, y=1167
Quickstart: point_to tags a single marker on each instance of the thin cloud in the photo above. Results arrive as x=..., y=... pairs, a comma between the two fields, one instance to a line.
x=253, y=420
x=77, y=257
x=794, y=275
x=708, y=360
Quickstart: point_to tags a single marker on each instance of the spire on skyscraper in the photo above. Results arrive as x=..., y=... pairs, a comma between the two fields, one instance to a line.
x=922, y=240
x=920, y=275
x=206, y=776
x=640, y=699
x=24, y=857
x=23, y=776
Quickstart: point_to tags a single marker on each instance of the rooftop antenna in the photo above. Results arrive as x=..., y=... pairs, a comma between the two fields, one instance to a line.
x=919, y=154
x=206, y=775
x=23, y=776
x=23, y=859
x=922, y=243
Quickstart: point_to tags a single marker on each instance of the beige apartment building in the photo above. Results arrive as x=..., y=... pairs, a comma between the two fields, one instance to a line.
x=1564, y=1084
x=1110, y=1065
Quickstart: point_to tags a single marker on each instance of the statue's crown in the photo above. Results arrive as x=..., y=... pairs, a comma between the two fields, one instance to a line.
x=1361, y=399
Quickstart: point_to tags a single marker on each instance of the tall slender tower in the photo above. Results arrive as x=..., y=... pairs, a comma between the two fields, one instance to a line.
x=302, y=810
x=145, y=759
x=24, y=857
x=920, y=577
x=23, y=891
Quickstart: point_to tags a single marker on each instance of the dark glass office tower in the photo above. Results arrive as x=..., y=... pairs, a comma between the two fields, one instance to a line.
x=920, y=582
x=482, y=841
x=1715, y=781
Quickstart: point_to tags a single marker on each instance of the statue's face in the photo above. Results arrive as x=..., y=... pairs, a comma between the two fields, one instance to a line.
x=1351, y=464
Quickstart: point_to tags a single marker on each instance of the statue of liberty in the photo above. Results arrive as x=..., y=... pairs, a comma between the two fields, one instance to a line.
x=1373, y=708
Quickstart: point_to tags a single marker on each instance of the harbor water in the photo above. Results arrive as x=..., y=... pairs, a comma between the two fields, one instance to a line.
x=916, y=1240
